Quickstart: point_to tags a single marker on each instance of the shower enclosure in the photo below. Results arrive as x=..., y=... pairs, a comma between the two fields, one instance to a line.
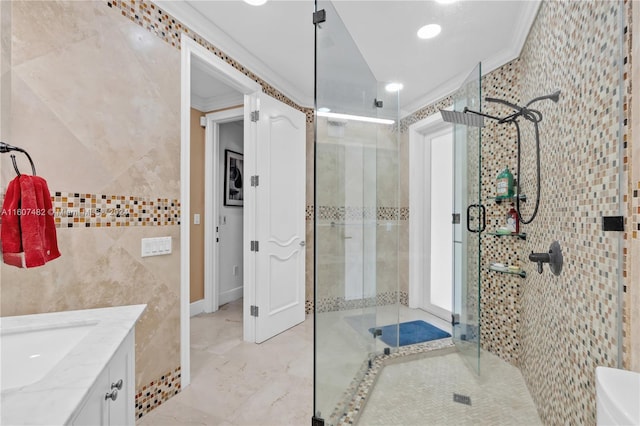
x=359, y=222
x=361, y=235
x=356, y=214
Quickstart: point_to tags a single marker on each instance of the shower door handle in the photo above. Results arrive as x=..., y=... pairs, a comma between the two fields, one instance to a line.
x=483, y=215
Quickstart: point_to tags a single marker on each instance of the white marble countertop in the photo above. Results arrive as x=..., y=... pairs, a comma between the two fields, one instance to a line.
x=56, y=398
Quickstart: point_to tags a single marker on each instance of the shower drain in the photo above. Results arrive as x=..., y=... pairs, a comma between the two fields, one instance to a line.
x=462, y=399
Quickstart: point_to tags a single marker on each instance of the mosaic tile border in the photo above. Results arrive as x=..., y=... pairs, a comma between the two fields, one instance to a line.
x=354, y=213
x=335, y=304
x=151, y=17
x=356, y=395
x=78, y=210
x=158, y=391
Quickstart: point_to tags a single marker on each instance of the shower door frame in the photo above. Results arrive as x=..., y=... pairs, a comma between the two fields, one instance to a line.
x=466, y=313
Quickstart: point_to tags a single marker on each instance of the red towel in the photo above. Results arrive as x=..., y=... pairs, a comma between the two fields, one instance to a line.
x=28, y=230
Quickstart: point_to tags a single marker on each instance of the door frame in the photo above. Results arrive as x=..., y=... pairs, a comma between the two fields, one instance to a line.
x=190, y=50
x=419, y=203
x=212, y=195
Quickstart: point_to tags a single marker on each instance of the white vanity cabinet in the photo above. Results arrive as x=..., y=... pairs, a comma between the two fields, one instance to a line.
x=111, y=399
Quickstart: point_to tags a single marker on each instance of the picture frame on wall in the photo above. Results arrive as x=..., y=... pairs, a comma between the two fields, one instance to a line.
x=233, y=178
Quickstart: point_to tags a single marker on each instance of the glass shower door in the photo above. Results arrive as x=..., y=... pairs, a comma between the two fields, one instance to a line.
x=345, y=216
x=467, y=229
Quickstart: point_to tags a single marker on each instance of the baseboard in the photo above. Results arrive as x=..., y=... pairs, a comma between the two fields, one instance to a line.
x=196, y=307
x=230, y=295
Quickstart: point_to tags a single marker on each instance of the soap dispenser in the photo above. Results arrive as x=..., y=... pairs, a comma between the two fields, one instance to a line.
x=513, y=223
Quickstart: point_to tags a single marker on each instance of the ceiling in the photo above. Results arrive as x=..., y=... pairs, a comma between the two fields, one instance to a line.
x=276, y=40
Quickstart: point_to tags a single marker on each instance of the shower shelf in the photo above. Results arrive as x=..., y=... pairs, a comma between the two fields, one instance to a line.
x=521, y=235
x=523, y=198
x=519, y=272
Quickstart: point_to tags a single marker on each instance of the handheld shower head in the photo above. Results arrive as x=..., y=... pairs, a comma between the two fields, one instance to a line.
x=555, y=97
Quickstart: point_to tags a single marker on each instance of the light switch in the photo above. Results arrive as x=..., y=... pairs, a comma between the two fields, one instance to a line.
x=196, y=219
x=156, y=246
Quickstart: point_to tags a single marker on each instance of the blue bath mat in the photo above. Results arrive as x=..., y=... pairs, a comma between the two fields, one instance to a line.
x=411, y=332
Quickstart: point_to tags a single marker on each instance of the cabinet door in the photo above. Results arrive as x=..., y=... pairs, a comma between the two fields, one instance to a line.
x=121, y=411
x=94, y=411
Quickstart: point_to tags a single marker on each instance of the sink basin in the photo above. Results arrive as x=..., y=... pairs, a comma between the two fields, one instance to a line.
x=617, y=397
x=29, y=354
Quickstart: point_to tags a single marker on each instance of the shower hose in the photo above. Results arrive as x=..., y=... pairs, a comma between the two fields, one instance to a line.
x=535, y=117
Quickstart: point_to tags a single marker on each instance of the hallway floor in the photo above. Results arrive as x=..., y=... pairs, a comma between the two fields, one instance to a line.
x=239, y=383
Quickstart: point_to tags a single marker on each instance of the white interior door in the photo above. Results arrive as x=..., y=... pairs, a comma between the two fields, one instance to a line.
x=279, y=218
x=439, y=288
x=432, y=238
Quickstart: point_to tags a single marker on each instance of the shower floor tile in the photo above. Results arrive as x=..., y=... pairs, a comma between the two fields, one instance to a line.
x=343, y=347
x=421, y=392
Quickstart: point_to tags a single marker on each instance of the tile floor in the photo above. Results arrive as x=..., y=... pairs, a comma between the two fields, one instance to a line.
x=344, y=343
x=239, y=383
x=244, y=384
x=420, y=392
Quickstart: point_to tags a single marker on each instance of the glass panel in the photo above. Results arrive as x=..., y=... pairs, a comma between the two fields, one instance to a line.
x=345, y=216
x=466, y=294
x=388, y=216
x=356, y=216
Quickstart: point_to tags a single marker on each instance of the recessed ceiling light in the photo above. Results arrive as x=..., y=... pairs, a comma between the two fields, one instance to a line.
x=255, y=2
x=446, y=1
x=393, y=87
x=324, y=109
x=429, y=31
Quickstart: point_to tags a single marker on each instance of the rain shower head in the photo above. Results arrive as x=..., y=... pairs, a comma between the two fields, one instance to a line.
x=465, y=118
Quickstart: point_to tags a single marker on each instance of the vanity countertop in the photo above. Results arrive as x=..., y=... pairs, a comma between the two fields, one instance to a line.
x=56, y=398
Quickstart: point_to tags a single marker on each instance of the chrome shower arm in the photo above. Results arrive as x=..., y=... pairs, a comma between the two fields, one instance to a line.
x=480, y=113
x=555, y=96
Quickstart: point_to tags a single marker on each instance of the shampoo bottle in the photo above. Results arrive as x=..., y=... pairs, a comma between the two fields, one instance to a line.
x=504, y=185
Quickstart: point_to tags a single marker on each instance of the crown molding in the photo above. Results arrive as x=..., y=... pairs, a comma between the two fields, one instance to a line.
x=214, y=103
x=490, y=64
x=196, y=22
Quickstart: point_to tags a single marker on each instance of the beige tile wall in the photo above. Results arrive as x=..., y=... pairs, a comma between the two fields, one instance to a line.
x=570, y=323
x=98, y=114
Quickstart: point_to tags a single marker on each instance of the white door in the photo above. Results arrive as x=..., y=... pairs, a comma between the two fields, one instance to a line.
x=431, y=241
x=439, y=288
x=280, y=200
